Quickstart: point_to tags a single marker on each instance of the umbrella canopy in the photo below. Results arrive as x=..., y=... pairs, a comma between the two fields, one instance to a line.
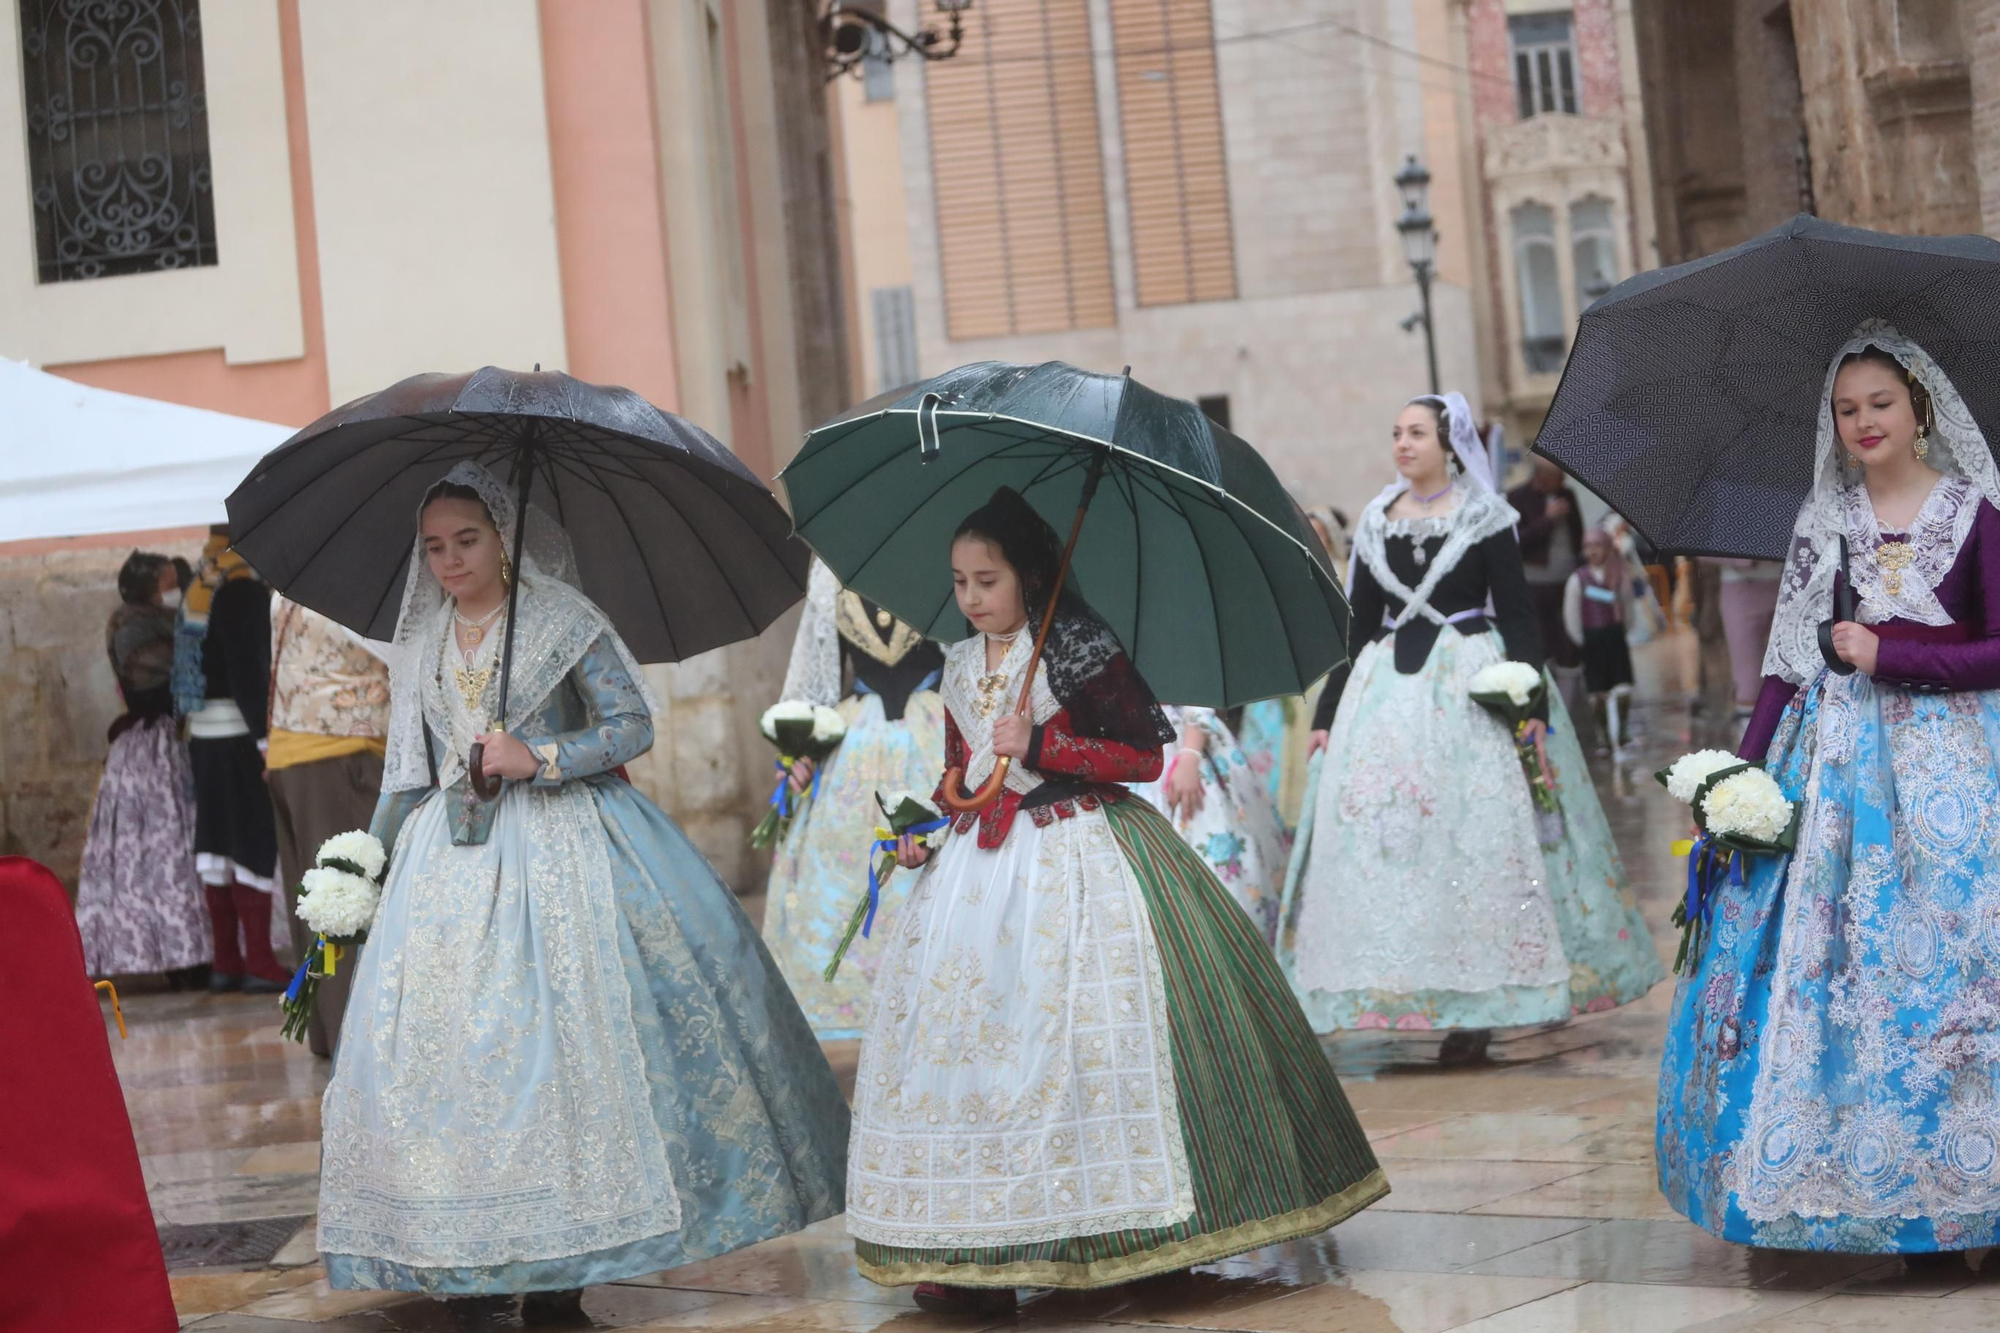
x=80, y=461
x=679, y=542
x=1691, y=399
x=1192, y=551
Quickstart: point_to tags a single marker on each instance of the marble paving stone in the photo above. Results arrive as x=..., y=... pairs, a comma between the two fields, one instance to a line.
x=1523, y=1138
x=1880, y=1314
x=316, y=1301
x=1672, y=1253
x=1604, y=1307
x=242, y=1323
x=817, y=1263
x=1406, y=1302
x=196, y=1164
x=282, y=1159
x=1417, y=1186
x=1404, y=1242
x=1383, y=1124
x=236, y=1198
x=203, y=1293
x=850, y=1317
x=1601, y=1191
x=708, y=1309
x=1470, y=1090
x=302, y=1248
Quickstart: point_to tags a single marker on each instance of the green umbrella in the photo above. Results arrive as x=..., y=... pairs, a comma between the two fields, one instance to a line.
x=1183, y=540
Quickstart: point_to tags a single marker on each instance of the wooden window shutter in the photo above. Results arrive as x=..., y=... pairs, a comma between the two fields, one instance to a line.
x=1023, y=237
x=1176, y=176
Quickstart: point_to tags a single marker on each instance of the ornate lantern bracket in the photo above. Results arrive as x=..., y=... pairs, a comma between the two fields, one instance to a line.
x=855, y=30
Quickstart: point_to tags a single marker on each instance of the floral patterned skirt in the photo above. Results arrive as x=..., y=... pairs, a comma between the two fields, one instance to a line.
x=821, y=869
x=1236, y=830
x=1421, y=893
x=1084, y=1068
x=139, y=905
x=1828, y=1081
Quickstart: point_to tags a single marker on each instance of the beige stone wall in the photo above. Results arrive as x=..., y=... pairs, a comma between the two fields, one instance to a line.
x=57, y=697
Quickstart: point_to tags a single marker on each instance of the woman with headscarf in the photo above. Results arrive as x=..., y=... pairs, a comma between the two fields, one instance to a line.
x=1431, y=894
x=1083, y=1066
x=139, y=902
x=566, y=1058
x=883, y=676
x=1828, y=1080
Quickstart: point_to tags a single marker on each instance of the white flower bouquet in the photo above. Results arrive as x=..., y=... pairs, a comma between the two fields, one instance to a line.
x=338, y=899
x=903, y=812
x=1741, y=811
x=1512, y=691
x=800, y=730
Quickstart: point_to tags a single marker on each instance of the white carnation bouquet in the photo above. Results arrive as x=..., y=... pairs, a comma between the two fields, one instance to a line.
x=1741, y=811
x=800, y=730
x=338, y=898
x=903, y=812
x=1512, y=691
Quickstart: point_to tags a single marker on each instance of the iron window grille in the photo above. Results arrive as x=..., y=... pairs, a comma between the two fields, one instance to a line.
x=117, y=119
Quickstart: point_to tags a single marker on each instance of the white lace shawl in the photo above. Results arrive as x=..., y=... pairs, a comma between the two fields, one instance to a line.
x=1957, y=449
x=1478, y=515
x=555, y=625
x=814, y=674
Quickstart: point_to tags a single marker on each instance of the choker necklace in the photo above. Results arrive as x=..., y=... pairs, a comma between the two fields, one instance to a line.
x=1008, y=637
x=1427, y=499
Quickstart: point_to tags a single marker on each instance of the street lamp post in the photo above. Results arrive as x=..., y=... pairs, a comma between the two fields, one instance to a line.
x=1413, y=182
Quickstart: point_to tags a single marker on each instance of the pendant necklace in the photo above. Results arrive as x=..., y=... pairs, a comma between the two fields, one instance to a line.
x=1417, y=550
x=993, y=682
x=475, y=630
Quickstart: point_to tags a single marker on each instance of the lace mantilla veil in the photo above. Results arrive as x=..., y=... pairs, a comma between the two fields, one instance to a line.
x=1957, y=449
x=814, y=674
x=555, y=626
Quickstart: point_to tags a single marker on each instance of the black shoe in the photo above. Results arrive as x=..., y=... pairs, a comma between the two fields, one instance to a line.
x=222, y=983
x=479, y=1312
x=1464, y=1046
x=553, y=1307
x=261, y=986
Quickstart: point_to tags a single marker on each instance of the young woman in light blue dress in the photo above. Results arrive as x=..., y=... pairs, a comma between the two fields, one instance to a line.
x=567, y=1059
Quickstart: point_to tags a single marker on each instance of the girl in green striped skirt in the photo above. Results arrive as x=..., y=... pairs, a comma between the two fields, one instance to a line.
x=1083, y=1065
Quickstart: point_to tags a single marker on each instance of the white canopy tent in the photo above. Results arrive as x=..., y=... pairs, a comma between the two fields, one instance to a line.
x=77, y=461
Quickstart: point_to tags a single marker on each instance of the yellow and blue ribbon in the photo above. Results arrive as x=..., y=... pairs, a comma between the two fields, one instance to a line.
x=887, y=841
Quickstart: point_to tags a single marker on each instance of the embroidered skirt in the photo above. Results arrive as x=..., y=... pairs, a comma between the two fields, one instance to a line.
x=566, y=1059
x=1828, y=1081
x=139, y=905
x=1422, y=891
x=821, y=870
x=1084, y=1068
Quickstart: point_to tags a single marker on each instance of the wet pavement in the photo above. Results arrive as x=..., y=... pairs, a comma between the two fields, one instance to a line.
x=1523, y=1188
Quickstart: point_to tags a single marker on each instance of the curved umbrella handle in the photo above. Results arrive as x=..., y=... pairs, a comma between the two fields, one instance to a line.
x=484, y=787
x=954, y=783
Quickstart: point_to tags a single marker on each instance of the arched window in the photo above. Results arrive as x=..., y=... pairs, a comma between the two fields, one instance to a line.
x=1544, y=321
x=1593, y=248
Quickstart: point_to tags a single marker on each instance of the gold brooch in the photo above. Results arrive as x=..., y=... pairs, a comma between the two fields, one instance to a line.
x=1894, y=557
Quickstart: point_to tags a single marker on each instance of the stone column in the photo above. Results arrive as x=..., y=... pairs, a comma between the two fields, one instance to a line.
x=1982, y=47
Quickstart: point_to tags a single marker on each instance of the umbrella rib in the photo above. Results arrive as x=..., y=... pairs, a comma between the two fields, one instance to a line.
x=1208, y=577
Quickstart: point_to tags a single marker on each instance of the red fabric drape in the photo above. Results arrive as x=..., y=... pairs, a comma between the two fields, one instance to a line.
x=78, y=1249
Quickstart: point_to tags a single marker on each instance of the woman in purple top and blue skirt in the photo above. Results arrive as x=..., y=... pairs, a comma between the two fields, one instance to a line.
x=1828, y=1081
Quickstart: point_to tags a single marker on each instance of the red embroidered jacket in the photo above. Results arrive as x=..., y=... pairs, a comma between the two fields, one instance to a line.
x=1055, y=751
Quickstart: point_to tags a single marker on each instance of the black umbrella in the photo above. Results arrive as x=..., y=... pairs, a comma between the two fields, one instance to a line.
x=680, y=543
x=1691, y=399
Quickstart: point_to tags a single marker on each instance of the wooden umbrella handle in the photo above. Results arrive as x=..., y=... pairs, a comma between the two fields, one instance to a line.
x=989, y=791
x=486, y=788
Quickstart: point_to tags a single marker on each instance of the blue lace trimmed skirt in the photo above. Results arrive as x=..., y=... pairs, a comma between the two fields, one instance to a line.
x=1829, y=1075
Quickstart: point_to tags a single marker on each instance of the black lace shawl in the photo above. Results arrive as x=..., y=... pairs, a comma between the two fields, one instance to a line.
x=1088, y=669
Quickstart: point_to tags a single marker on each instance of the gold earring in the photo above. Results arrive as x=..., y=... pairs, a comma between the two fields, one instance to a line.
x=507, y=568
x=1922, y=446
